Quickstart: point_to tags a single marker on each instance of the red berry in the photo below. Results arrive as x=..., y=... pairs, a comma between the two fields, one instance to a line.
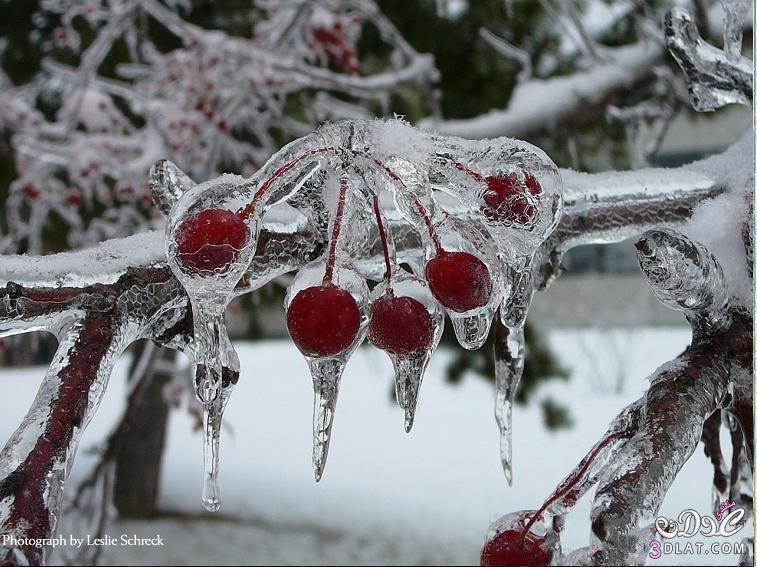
x=400, y=325
x=323, y=320
x=73, y=199
x=459, y=280
x=211, y=240
x=30, y=192
x=511, y=548
x=507, y=198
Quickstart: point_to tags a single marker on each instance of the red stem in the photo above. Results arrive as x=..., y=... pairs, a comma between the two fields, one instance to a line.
x=417, y=202
x=572, y=482
x=464, y=168
x=246, y=211
x=331, y=258
x=384, y=242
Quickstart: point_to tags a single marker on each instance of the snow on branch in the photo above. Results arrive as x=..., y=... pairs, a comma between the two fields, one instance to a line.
x=543, y=104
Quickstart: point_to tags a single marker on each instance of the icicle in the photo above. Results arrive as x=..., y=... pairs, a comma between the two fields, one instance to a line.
x=471, y=330
x=209, y=247
x=408, y=375
x=515, y=307
x=326, y=373
x=211, y=492
x=210, y=337
x=509, y=348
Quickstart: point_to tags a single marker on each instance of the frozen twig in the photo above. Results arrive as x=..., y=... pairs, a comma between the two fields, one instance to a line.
x=714, y=80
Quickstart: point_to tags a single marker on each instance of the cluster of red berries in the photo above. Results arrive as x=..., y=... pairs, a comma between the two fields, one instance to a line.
x=324, y=320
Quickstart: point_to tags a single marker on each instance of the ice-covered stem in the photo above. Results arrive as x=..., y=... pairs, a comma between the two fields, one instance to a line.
x=36, y=460
x=682, y=394
x=93, y=324
x=586, y=473
x=712, y=450
x=714, y=78
x=747, y=237
x=685, y=276
x=337, y=227
x=614, y=206
x=599, y=208
x=93, y=496
x=384, y=239
x=419, y=207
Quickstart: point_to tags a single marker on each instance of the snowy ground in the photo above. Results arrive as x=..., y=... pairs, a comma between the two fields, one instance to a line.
x=386, y=497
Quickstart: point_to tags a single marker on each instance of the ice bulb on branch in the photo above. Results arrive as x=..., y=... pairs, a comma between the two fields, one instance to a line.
x=406, y=323
x=327, y=320
x=210, y=240
x=682, y=273
x=465, y=276
x=459, y=280
x=209, y=245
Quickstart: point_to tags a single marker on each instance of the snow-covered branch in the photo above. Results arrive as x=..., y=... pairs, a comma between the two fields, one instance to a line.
x=537, y=105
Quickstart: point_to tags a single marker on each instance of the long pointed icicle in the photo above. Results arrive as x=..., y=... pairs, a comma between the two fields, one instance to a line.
x=327, y=373
x=509, y=350
x=211, y=491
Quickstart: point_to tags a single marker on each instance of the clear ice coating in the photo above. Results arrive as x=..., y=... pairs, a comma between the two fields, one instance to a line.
x=341, y=176
x=209, y=246
x=714, y=78
x=326, y=370
x=411, y=362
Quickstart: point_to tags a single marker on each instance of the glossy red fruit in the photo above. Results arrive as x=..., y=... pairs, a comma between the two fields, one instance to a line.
x=459, y=280
x=323, y=320
x=211, y=240
x=507, y=198
x=510, y=548
x=400, y=325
